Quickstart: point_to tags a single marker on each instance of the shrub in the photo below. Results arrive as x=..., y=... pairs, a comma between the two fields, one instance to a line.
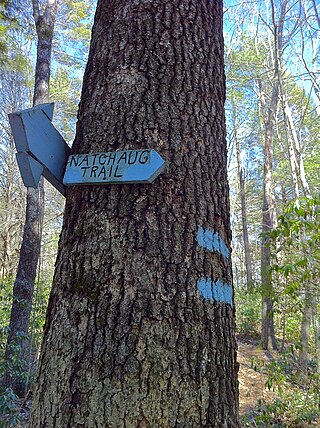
x=9, y=413
x=248, y=312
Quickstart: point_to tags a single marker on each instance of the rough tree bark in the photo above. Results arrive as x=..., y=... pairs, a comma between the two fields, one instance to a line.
x=140, y=322
x=15, y=373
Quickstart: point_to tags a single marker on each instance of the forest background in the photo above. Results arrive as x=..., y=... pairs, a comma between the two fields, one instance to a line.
x=272, y=110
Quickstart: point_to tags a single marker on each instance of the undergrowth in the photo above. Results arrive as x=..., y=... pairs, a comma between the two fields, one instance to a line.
x=298, y=395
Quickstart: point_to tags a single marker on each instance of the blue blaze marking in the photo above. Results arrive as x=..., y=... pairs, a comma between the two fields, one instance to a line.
x=218, y=291
x=204, y=286
x=224, y=250
x=212, y=241
x=205, y=238
x=216, y=242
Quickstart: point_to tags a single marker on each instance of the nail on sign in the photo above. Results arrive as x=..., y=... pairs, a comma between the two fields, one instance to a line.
x=130, y=166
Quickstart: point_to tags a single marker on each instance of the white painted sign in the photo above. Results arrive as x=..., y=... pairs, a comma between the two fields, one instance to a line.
x=41, y=148
x=129, y=166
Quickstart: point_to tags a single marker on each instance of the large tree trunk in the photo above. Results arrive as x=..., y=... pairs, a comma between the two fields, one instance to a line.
x=17, y=362
x=140, y=323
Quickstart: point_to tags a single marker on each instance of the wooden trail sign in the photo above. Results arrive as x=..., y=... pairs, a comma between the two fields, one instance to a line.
x=129, y=166
x=41, y=148
x=43, y=151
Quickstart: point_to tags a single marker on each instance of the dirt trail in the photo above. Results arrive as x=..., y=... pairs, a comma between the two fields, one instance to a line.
x=251, y=383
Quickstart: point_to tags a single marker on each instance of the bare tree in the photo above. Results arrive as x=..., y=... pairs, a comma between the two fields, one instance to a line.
x=247, y=253
x=14, y=376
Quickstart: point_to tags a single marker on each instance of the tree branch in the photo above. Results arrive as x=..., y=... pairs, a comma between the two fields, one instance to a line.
x=36, y=10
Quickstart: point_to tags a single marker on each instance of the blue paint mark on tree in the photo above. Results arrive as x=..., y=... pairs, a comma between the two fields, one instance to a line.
x=218, y=290
x=204, y=286
x=224, y=250
x=205, y=238
x=211, y=241
x=216, y=242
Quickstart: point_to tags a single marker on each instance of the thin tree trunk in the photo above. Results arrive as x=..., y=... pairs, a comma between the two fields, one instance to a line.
x=17, y=362
x=268, y=332
x=316, y=329
x=268, y=212
x=293, y=162
x=305, y=328
x=296, y=149
x=245, y=234
x=268, y=222
x=140, y=325
x=295, y=156
x=310, y=303
x=297, y=170
x=310, y=56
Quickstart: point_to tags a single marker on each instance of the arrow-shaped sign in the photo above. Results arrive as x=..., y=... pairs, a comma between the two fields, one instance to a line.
x=41, y=148
x=130, y=166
